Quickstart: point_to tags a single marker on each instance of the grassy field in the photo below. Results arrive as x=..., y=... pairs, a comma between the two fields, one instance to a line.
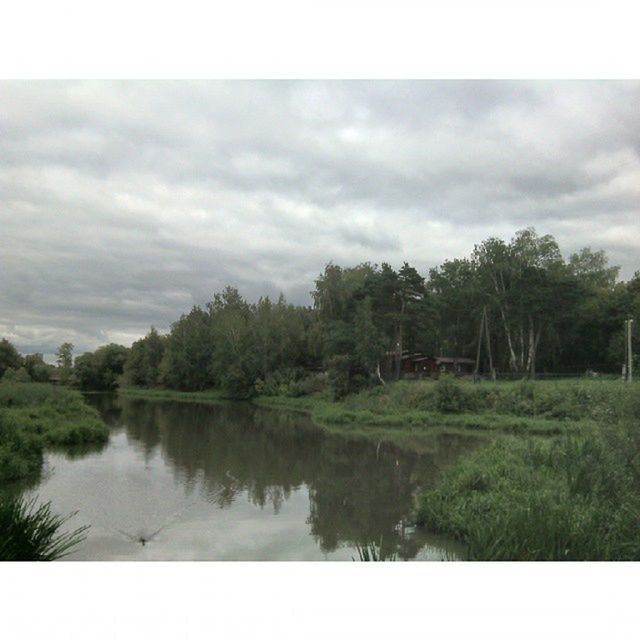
x=36, y=416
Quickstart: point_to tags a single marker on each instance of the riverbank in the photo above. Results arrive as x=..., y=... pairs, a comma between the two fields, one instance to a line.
x=209, y=396
x=524, y=407
x=34, y=417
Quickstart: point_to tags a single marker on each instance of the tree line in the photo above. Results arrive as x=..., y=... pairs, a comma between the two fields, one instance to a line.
x=535, y=310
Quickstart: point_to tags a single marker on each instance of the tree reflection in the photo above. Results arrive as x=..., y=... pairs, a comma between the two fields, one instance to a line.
x=360, y=492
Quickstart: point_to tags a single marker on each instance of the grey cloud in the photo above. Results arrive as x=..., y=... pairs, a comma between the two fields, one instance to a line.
x=124, y=203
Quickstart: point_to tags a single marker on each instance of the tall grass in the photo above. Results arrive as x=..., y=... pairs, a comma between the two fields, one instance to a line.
x=572, y=498
x=558, y=399
x=372, y=552
x=30, y=532
x=36, y=416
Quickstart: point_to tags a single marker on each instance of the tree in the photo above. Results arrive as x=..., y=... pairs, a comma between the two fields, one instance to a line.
x=592, y=269
x=142, y=367
x=187, y=358
x=101, y=370
x=9, y=357
x=37, y=368
x=64, y=355
x=64, y=359
x=369, y=342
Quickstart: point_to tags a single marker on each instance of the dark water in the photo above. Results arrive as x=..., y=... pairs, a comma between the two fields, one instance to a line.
x=239, y=482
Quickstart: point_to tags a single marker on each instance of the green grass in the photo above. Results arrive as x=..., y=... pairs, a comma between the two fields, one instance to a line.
x=568, y=400
x=38, y=416
x=522, y=407
x=358, y=412
x=209, y=396
x=568, y=498
x=33, y=533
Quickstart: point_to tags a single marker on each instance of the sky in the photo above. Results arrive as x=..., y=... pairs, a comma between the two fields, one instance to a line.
x=123, y=204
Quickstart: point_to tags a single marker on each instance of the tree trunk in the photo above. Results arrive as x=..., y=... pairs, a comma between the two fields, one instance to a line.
x=530, y=337
x=513, y=365
x=536, y=341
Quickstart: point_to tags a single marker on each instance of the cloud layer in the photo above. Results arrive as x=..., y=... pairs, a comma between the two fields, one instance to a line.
x=122, y=204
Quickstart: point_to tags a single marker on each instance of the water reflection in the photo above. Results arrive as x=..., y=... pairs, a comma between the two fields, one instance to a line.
x=345, y=492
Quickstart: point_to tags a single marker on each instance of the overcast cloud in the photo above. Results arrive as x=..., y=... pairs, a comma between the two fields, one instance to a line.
x=123, y=204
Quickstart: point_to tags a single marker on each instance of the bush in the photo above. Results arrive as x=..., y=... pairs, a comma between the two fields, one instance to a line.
x=236, y=384
x=450, y=396
x=16, y=375
x=313, y=384
x=339, y=376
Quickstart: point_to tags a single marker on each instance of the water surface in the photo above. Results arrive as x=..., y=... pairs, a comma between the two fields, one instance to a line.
x=183, y=481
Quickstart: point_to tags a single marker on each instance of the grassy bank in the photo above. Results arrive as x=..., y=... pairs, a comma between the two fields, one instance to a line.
x=575, y=497
x=524, y=407
x=535, y=408
x=211, y=395
x=36, y=416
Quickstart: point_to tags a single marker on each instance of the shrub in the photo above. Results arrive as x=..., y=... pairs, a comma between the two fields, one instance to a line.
x=450, y=396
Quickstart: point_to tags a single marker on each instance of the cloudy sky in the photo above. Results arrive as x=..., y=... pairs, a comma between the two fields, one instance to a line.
x=123, y=204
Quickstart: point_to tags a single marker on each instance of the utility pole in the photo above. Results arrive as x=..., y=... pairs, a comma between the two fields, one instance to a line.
x=486, y=330
x=477, y=369
x=629, y=351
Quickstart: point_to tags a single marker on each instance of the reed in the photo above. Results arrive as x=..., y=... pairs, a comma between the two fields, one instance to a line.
x=31, y=532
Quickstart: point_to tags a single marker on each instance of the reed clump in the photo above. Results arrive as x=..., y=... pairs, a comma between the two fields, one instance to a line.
x=32, y=532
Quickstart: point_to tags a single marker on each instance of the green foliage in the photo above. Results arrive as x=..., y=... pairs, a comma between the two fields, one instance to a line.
x=101, y=370
x=34, y=416
x=373, y=553
x=339, y=375
x=29, y=533
x=576, y=498
x=37, y=368
x=9, y=357
x=142, y=367
x=64, y=355
x=64, y=358
x=291, y=382
x=450, y=396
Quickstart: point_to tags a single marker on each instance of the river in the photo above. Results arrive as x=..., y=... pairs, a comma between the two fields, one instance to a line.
x=187, y=481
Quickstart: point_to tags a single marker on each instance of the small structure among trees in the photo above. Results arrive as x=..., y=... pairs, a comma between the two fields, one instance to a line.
x=419, y=365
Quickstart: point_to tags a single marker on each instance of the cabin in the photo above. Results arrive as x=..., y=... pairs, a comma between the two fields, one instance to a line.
x=420, y=365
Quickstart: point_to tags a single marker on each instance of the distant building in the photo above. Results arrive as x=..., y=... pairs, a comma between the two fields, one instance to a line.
x=419, y=365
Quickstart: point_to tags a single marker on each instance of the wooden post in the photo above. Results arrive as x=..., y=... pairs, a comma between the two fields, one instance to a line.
x=486, y=329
